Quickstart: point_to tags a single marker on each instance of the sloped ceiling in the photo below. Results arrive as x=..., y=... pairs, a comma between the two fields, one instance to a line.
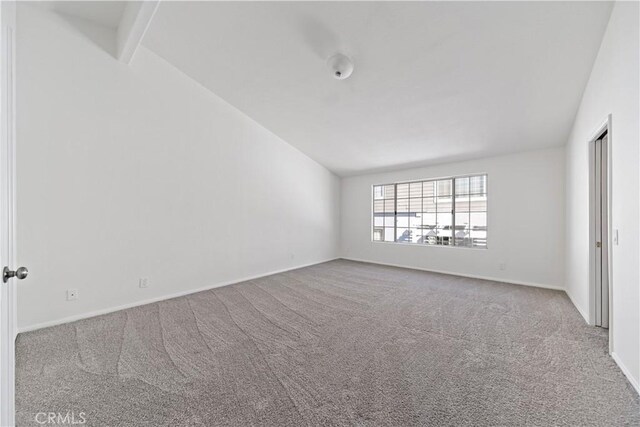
x=433, y=81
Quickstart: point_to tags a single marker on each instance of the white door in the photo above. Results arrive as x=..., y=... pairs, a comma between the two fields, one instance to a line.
x=7, y=215
x=601, y=231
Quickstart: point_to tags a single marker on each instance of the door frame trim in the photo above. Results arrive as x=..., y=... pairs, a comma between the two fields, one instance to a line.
x=606, y=125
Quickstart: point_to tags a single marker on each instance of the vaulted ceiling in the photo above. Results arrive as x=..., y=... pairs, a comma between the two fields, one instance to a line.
x=433, y=81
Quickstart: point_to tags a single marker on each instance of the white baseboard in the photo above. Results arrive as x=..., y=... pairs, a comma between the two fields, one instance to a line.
x=452, y=273
x=626, y=372
x=584, y=315
x=160, y=298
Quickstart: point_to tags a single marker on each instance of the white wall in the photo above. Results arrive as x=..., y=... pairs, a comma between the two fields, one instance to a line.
x=126, y=172
x=612, y=89
x=525, y=215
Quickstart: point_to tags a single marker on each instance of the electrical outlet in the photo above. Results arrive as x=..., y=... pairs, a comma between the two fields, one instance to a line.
x=503, y=266
x=72, y=294
x=143, y=282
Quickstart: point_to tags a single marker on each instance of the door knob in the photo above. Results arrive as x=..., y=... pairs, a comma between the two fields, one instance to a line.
x=20, y=273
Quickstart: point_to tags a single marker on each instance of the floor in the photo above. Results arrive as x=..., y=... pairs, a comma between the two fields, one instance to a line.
x=339, y=343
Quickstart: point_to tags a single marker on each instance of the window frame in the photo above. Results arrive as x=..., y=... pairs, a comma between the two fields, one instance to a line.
x=453, y=213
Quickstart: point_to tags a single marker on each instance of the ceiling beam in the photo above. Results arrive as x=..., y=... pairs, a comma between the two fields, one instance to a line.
x=136, y=19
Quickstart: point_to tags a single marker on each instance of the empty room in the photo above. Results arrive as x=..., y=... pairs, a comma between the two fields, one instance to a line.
x=305, y=213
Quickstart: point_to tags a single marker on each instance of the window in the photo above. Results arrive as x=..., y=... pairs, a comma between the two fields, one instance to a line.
x=445, y=212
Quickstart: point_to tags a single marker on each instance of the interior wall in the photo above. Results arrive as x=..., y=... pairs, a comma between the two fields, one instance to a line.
x=525, y=220
x=612, y=89
x=137, y=171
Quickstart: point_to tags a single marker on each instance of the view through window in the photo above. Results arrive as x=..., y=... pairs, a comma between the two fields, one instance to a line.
x=448, y=212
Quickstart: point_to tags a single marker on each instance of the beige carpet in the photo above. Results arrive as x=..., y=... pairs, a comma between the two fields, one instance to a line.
x=339, y=343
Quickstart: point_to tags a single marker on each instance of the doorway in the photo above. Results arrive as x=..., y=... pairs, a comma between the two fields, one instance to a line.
x=599, y=214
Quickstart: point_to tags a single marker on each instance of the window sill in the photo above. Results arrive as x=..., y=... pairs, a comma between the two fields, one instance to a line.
x=430, y=246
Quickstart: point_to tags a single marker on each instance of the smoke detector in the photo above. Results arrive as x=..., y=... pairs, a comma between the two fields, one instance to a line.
x=340, y=65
